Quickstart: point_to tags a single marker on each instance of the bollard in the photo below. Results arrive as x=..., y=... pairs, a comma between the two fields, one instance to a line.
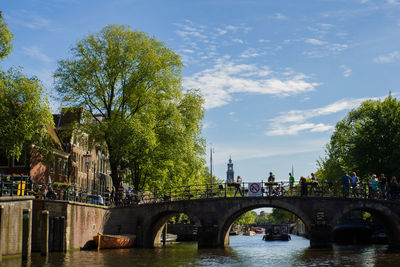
x=165, y=235
x=44, y=237
x=1, y=230
x=62, y=234
x=99, y=242
x=26, y=234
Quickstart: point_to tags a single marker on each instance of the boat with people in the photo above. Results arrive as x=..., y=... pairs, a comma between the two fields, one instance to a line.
x=114, y=241
x=277, y=232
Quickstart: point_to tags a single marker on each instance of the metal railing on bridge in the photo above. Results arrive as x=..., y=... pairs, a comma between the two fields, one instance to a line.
x=258, y=189
x=17, y=185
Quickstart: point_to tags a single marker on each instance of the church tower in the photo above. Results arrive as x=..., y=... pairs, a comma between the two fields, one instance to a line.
x=229, y=173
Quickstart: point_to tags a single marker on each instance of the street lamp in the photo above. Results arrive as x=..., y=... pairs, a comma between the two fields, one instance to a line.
x=87, y=161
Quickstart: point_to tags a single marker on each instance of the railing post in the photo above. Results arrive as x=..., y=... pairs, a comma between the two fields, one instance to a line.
x=226, y=185
x=262, y=188
x=44, y=241
x=1, y=231
x=26, y=234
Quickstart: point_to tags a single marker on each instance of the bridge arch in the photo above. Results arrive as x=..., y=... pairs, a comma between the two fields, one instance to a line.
x=389, y=219
x=158, y=220
x=233, y=213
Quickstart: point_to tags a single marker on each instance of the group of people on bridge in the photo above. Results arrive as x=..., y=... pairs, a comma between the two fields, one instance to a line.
x=351, y=185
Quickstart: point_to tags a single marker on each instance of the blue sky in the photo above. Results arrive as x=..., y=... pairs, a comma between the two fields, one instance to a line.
x=276, y=75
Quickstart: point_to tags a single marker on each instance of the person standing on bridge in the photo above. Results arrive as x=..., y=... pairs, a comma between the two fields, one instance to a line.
x=354, y=184
x=314, y=183
x=303, y=186
x=239, y=186
x=383, y=185
x=271, y=180
x=373, y=187
x=291, y=183
x=346, y=179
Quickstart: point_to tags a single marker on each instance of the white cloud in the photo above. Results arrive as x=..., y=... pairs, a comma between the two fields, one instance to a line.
x=389, y=58
x=190, y=33
x=264, y=41
x=30, y=20
x=346, y=70
x=231, y=113
x=226, y=78
x=295, y=121
x=315, y=41
x=252, y=52
x=326, y=50
x=246, y=151
x=294, y=129
x=393, y=2
x=36, y=52
x=188, y=51
x=280, y=16
x=237, y=40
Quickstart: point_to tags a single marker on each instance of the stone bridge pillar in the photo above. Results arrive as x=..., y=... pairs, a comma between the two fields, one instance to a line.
x=208, y=236
x=320, y=236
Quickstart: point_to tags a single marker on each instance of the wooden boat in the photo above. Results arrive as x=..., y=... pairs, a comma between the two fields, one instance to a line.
x=114, y=241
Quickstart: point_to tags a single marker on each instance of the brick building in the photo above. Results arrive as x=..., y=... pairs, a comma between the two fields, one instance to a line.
x=77, y=160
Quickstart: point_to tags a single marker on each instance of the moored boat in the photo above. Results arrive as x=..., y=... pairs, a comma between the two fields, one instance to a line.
x=259, y=230
x=249, y=233
x=277, y=232
x=114, y=241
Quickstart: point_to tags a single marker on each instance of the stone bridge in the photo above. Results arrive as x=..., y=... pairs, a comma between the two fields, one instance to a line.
x=214, y=217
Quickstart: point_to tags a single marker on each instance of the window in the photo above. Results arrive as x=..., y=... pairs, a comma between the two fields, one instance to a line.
x=60, y=166
x=21, y=161
x=3, y=158
x=52, y=166
x=65, y=168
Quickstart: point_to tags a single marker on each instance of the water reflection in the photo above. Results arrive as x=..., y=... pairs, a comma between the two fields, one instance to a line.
x=243, y=251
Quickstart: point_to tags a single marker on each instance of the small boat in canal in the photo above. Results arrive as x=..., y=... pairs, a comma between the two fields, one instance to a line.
x=114, y=241
x=249, y=233
x=277, y=232
x=259, y=230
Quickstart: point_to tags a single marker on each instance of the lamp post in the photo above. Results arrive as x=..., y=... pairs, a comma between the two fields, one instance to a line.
x=87, y=161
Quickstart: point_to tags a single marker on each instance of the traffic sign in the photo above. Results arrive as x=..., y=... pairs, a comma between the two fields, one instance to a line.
x=255, y=190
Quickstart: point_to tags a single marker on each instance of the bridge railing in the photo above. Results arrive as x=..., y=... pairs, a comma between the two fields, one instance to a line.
x=264, y=189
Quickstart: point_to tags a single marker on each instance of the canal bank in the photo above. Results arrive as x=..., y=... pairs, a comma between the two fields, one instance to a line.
x=70, y=224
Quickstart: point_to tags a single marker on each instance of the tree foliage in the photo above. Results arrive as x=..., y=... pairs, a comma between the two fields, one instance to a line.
x=131, y=85
x=365, y=141
x=24, y=112
x=247, y=218
x=5, y=39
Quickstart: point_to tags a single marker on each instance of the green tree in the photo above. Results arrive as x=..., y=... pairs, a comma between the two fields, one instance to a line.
x=263, y=219
x=280, y=216
x=5, y=39
x=131, y=85
x=366, y=140
x=247, y=218
x=24, y=112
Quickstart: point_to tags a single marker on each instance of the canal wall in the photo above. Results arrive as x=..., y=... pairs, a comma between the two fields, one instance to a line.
x=75, y=223
x=11, y=223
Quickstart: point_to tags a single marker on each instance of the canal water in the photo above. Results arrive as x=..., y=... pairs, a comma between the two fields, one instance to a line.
x=243, y=251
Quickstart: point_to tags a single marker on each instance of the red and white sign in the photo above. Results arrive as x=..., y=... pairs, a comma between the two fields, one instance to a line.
x=255, y=190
